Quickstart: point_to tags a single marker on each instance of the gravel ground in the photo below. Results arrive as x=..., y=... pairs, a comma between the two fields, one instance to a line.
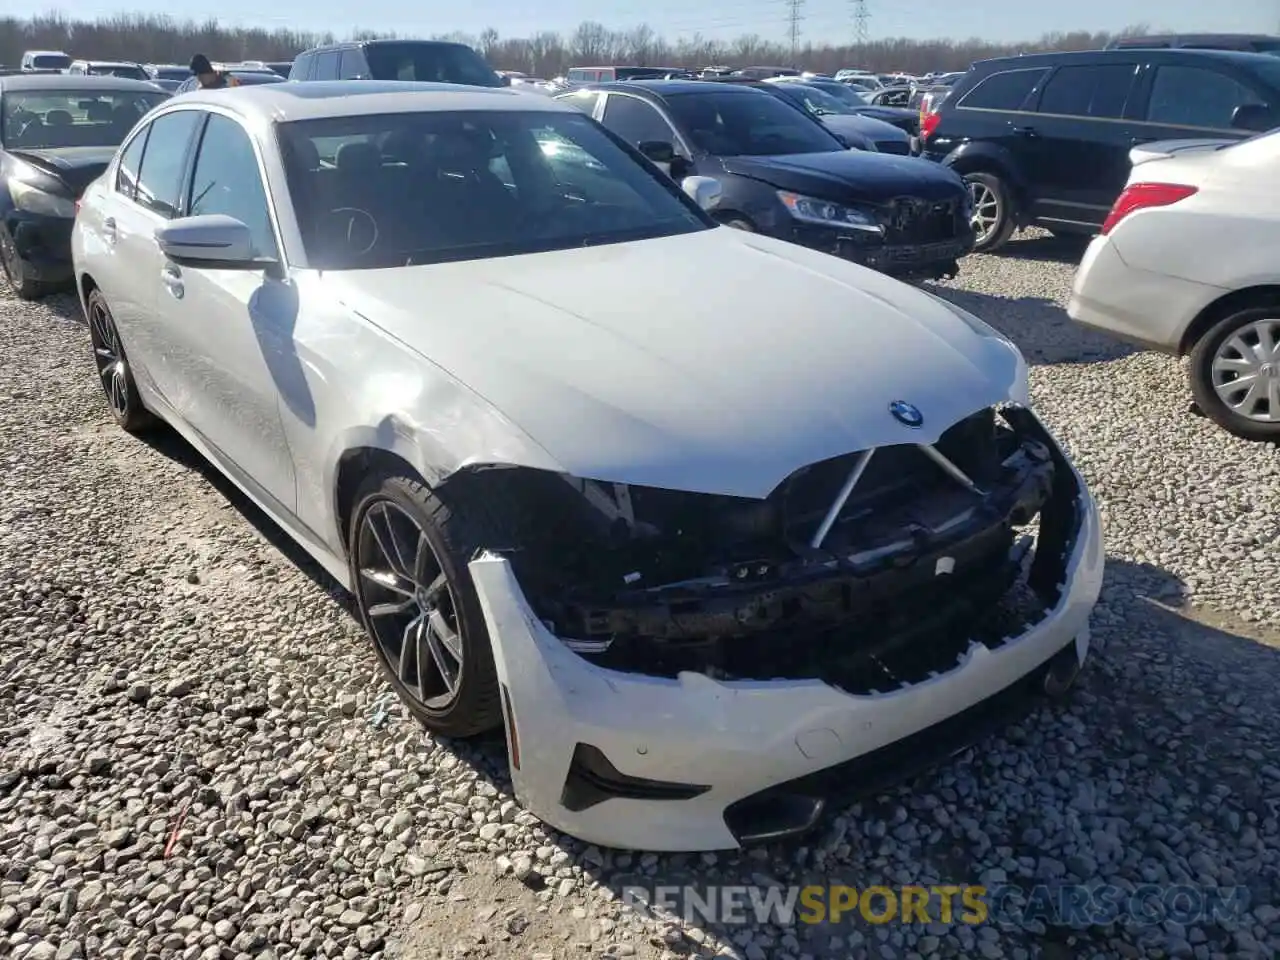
x=197, y=761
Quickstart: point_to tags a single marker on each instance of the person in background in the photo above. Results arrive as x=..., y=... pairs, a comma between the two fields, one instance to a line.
x=209, y=78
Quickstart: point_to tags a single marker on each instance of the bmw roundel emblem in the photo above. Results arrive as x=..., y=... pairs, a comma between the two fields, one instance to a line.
x=906, y=414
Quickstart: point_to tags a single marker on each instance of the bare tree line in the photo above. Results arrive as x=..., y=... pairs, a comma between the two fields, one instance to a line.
x=161, y=39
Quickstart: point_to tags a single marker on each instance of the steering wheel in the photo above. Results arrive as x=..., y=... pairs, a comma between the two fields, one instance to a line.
x=354, y=228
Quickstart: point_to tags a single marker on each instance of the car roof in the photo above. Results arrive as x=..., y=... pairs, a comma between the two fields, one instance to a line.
x=661, y=88
x=110, y=63
x=383, y=42
x=318, y=99
x=1241, y=57
x=69, y=81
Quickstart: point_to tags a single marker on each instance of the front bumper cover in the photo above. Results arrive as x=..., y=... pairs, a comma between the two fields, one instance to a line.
x=694, y=763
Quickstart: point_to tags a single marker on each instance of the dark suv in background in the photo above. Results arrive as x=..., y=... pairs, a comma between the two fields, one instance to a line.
x=1044, y=139
x=430, y=61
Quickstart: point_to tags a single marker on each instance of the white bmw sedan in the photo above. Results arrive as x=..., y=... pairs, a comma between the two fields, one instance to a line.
x=717, y=528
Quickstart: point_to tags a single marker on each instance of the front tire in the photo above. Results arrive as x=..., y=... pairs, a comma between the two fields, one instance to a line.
x=1235, y=373
x=994, y=216
x=408, y=558
x=112, y=364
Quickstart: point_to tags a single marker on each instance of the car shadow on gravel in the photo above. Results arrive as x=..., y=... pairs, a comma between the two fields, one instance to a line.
x=1039, y=326
x=169, y=443
x=1046, y=247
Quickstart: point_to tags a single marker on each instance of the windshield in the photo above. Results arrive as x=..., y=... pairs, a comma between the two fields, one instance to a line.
x=843, y=92
x=748, y=124
x=410, y=188
x=48, y=119
x=127, y=71
x=430, y=62
x=816, y=101
x=50, y=61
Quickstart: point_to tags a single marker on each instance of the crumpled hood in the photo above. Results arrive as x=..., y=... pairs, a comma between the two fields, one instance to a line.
x=717, y=361
x=852, y=176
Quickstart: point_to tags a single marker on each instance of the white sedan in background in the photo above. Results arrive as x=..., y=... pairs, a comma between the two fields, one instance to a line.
x=1187, y=264
x=714, y=526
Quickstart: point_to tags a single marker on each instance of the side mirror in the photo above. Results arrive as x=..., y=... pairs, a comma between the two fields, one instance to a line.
x=504, y=80
x=1252, y=116
x=704, y=191
x=214, y=242
x=659, y=151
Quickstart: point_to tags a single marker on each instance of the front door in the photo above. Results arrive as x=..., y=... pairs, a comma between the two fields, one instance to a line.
x=1078, y=142
x=233, y=327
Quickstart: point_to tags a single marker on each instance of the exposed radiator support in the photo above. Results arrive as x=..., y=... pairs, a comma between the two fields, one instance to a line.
x=950, y=469
x=859, y=467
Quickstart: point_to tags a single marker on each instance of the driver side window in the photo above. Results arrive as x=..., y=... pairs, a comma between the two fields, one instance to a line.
x=226, y=180
x=635, y=121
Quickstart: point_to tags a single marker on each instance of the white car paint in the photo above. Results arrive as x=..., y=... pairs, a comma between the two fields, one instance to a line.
x=1160, y=268
x=713, y=361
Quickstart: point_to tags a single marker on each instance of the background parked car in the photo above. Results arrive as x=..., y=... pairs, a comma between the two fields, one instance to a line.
x=849, y=123
x=784, y=174
x=57, y=133
x=432, y=61
x=1045, y=139
x=45, y=61
x=908, y=121
x=109, y=68
x=167, y=71
x=246, y=78
x=1186, y=265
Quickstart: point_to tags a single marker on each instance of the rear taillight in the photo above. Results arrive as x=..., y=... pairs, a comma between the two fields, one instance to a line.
x=1141, y=196
x=929, y=124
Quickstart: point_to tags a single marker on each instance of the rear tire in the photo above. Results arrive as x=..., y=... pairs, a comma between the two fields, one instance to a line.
x=1223, y=362
x=408, y=559
x=11, y=262
x=994, y=216
x=114, y=372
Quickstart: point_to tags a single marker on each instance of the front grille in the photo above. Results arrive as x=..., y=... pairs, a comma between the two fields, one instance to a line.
x=911, y=221
x=901, y=148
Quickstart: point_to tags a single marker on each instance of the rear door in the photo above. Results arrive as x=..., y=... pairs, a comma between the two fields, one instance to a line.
x=1185, y=100
x=327, y=64
x=148, y=187
x=990, y=112
x=1079, y=139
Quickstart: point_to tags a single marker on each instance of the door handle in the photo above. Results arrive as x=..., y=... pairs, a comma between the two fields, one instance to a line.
x=109, y=229
x=171, y=277
x=1026, y=131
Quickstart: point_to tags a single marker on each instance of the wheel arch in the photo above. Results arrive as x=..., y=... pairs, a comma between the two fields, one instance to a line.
x=1260, y=295
x=984, y=158
x=85, y=285
x=353, y=466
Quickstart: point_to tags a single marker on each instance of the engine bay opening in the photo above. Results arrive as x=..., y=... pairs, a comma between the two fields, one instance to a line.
x=871, y=571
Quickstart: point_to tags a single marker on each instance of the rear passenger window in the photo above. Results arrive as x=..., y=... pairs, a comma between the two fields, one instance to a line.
x=326, y=66
x=1196, y=97
x=130, y=161
x=351, y=67
x=165, y=160
x=1007, y=90
x=1091, y=90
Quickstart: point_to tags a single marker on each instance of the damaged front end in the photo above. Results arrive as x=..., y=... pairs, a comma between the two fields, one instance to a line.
x=870, y=571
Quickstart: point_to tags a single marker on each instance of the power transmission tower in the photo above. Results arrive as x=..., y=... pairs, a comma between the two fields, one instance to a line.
x=794, y=16
x=861, y=23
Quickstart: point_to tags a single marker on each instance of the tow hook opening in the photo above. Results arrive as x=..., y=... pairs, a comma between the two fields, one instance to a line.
x=1062, y=672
